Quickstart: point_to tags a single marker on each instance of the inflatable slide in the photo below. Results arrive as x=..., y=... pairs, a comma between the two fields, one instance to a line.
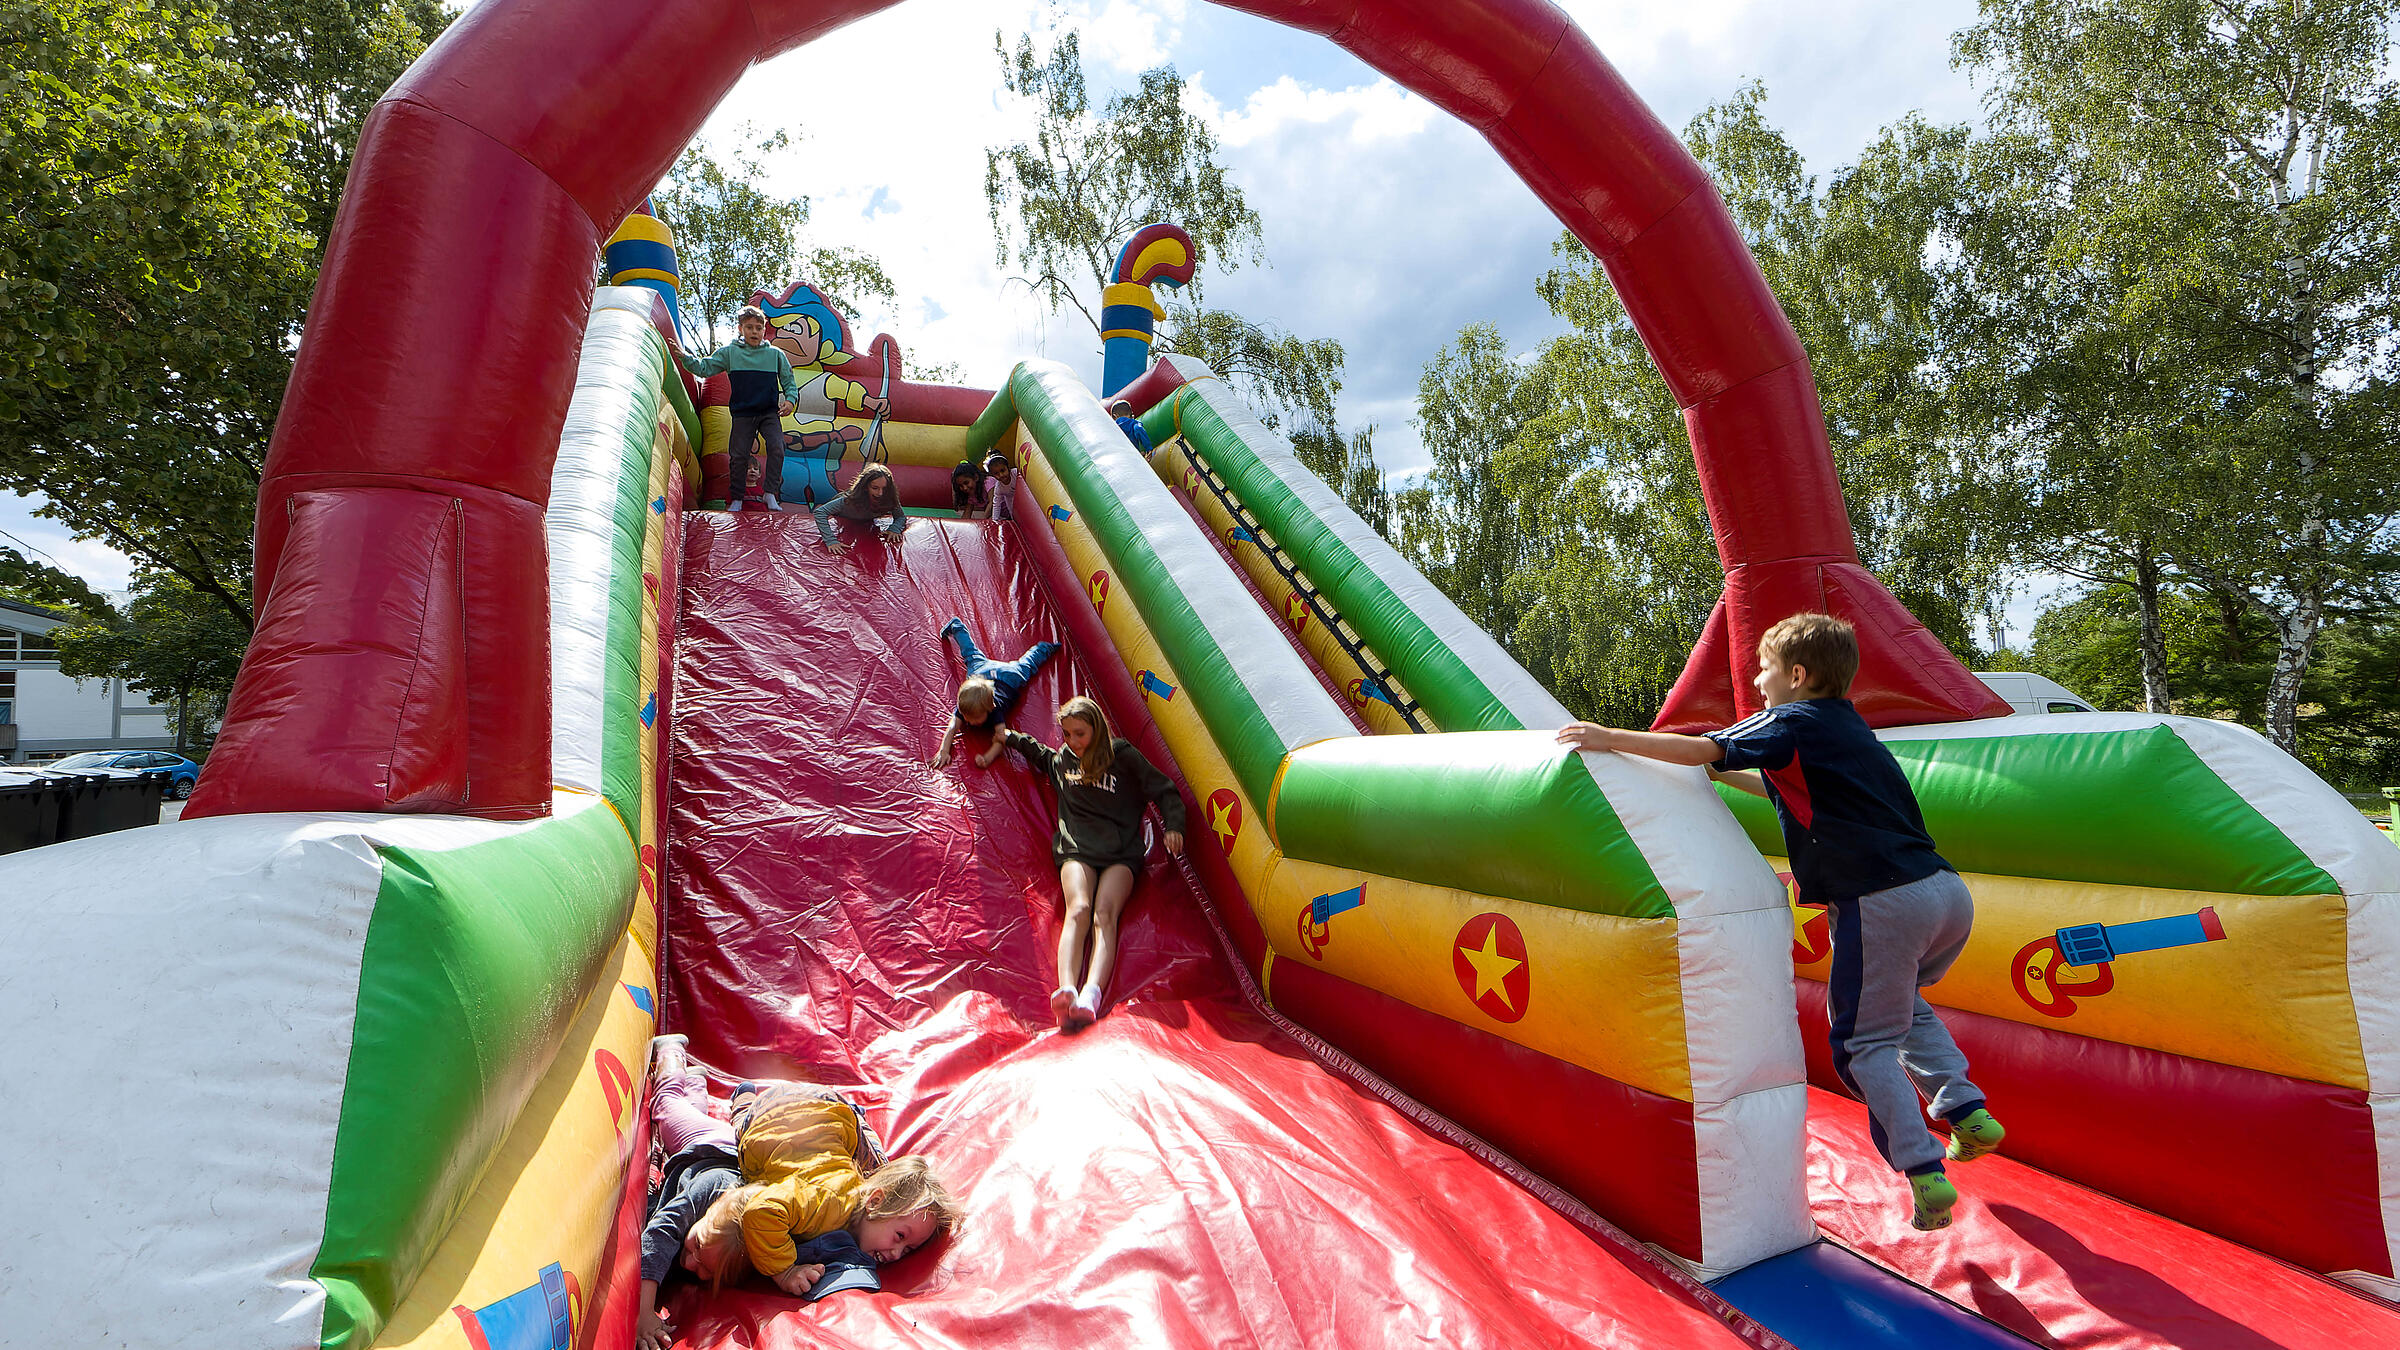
x=1437, y=1034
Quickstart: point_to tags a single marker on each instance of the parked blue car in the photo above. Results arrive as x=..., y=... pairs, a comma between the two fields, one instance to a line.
x=184, y=773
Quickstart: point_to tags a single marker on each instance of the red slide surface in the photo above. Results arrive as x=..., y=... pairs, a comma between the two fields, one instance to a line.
x=1182, y=1174
x=2063, y=1265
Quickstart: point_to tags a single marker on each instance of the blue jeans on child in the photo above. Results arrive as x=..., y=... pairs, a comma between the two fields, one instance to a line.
x=1009, y=678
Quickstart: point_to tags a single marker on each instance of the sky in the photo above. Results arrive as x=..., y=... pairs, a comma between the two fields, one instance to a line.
x=1388, y=225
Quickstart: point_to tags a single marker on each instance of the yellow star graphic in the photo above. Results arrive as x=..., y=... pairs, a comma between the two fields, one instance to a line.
x=1491, y=968
x=1220, y=819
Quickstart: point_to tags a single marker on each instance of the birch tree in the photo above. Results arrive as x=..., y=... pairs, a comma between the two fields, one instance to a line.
x=2236, y=171
x=1095, y=169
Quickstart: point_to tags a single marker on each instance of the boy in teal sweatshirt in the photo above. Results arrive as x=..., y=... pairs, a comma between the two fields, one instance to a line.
x=763, y=390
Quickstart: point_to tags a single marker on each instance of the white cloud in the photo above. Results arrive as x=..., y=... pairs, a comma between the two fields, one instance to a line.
x=1129, y=36
x=1638, y=34
x=1380, y=111
x=102, y=567
x=1389, y=226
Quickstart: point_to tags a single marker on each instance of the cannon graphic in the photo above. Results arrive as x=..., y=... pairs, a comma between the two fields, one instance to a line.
x=2091, y=947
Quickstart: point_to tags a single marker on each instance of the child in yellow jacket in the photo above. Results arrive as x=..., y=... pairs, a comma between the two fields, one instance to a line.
x=810, y=1165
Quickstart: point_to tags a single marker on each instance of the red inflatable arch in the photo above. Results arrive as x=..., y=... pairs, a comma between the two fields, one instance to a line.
x=401, y=660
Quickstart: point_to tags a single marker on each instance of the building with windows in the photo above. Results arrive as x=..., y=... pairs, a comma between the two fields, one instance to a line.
x=44, y=714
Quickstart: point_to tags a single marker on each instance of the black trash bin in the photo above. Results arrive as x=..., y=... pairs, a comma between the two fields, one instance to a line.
x=90, y=805
x=28, y=816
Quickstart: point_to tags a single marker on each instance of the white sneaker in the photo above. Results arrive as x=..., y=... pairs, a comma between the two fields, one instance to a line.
x=774, y=505
x=736, y=506
x=668, y=1057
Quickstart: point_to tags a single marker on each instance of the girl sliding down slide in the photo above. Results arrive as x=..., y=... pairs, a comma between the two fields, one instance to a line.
x=1102, y=784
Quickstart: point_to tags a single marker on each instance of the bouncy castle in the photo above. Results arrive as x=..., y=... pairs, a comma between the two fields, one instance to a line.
x=1438, y=1033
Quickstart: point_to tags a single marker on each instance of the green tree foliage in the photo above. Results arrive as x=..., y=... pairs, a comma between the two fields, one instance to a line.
x=1293, y=380
x=171, y=170
x=735, y=235
x=1347, y=464
x=2207, y=196
x=1458, y=523
x=1564, y=511
x=1063, y=203
x=2221, y=660
x=37, y=582
x=325, y=63
x=151, y=264
x=170, y=642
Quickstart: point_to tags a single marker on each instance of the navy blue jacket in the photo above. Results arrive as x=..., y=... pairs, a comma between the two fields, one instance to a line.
x=1850, y=820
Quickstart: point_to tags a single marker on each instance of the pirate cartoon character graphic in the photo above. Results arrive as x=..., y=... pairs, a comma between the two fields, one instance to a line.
x=833, y=385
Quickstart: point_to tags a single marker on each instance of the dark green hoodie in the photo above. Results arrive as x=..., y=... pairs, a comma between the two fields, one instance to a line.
x=758, y=373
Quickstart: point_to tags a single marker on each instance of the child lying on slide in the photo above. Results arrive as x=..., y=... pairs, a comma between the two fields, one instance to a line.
x=989, y=693
x=702, y=1167
x=805, y=1155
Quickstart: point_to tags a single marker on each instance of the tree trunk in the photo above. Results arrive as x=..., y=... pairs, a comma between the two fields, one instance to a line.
x=2154, y=637
x=182, y=712
x=2296, y=638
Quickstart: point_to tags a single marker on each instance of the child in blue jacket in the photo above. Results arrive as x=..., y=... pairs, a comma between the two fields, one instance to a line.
x=1858, y=845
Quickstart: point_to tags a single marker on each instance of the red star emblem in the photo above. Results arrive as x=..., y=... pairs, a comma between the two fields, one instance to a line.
x=1812, y=929
x=1225, y=817
x=616, y=1086
x=1488, y=956
x=1100, y=590
x=1296, y=610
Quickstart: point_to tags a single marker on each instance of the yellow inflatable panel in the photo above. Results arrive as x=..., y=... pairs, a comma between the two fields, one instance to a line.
x=1594, y=990
x=533, y=1234
x=922, y=443
x=2272, y=994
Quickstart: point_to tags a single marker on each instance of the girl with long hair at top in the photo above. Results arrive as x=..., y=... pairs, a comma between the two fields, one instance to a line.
x=968, y=495
x=873, y=495
x=1103, y=784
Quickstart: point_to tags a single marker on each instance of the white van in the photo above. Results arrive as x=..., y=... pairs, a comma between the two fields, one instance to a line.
x=2028, y=693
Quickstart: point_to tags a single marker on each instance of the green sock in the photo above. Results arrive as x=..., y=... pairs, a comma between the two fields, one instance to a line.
x=1975, y=1136
x=1934, y=1196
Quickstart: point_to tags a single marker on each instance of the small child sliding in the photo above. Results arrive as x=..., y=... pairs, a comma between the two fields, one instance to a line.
x=1103, y=782
x=988, y=694
x=873, y=495
x=969, y=496
x=1858, y=845
x=805, y=1154
x=702, y=1166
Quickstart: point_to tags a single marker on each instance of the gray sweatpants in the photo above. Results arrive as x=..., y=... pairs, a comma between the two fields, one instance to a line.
x=1887, y=1044
x=756, y=433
